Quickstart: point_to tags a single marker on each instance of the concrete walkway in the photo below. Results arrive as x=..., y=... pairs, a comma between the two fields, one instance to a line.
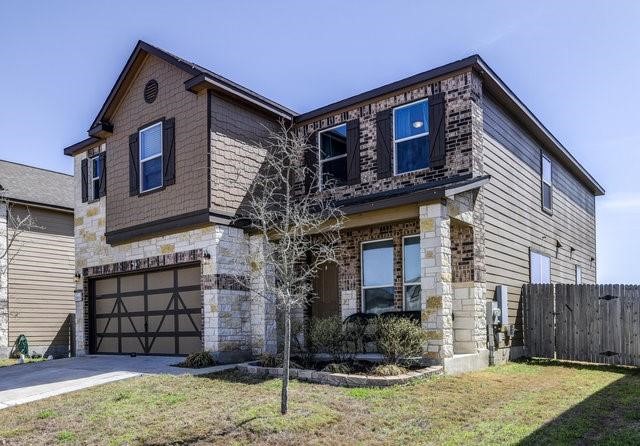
x=23, y=383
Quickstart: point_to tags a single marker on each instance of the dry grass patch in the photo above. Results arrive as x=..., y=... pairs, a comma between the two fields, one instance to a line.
x=531, y=403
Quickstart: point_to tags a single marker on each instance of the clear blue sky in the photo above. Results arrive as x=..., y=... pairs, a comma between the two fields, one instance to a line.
x=574, y=63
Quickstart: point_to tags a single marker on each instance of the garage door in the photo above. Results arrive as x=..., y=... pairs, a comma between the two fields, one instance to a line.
x=155, y=313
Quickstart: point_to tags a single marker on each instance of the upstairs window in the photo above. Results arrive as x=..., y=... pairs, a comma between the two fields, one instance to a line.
x=547, y=188
x=151, y=157
x=540, y=267
x=333, y=156
x=96, y=173
x=377, y=276
x=411, y=137
x=411, y=272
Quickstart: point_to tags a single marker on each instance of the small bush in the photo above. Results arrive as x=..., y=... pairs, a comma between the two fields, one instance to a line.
x=398, y=338
x=198, y=360
x=326, y=336
x=356, y=335
x=337, y=368
x=388, y=370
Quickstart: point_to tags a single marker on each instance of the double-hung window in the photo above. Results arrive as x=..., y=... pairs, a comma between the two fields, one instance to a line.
x=377, y=276
x=333, y=156
x=96, y=172
x=151, y=157
x=411, y=137
x=547, y=188
x=411, y=272
x=540, y=266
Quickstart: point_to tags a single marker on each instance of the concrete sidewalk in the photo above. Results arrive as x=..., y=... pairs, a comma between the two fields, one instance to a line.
x=24, y=383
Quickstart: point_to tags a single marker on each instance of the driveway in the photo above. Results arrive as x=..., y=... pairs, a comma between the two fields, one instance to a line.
x=30, y=382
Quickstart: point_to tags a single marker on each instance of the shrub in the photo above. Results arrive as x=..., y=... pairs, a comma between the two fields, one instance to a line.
x=398, y=338
x=356, y=335
x=270, y=360
x=198, y=360
x=326, y=336
x=335, y=367
x=388, y=370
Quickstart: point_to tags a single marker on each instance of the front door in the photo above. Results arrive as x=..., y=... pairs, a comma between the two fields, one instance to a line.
x=325, y=286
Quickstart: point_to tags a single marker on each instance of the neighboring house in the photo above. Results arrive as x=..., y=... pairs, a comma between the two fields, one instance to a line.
x=36, y=286
x=451, y=186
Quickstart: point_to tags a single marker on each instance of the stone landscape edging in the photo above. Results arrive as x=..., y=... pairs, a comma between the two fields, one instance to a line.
x=339, y=379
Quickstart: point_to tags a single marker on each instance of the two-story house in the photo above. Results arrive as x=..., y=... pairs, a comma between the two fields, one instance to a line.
x=450, y=186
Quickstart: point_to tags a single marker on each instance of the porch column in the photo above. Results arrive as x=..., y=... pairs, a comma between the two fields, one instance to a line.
x=210, y=307
x=78, y=295
x=4, y=298
x=263, y=311
x=437, y=295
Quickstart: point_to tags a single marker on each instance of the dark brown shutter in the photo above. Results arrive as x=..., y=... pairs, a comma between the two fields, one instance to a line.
x=103, y=174
x=353, y=151
x=384, y=143
x=84, y=177
x=437, y=153
x=168, y=151
x=311, y=163
x=134, y=165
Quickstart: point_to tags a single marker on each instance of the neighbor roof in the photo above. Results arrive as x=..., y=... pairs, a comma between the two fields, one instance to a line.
x=33, y=185
x=204, y=78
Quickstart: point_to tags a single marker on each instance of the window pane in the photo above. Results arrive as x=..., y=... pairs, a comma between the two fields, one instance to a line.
x=377, y=263
x=411, y=259
x=378, y=300
x=333, y=142
x=412, y=298
x=412, y=154
x=411, y=120
x=96, y=189
x=151, y=173
x=95, y=167
x=151, y=141
x=546, y=170
x=546, y=196
x=335, y=171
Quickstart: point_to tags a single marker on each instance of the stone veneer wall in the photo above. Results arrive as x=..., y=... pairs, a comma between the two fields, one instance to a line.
x=4, y=296
x=349, y=278
x=227, y=309
x=460, y=92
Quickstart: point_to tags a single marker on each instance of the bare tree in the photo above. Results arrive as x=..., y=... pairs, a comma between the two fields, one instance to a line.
x=16, y=224
x=299, y=230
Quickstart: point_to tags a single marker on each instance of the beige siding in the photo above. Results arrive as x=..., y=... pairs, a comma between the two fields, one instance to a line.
x=41, y=280
x=515, y=223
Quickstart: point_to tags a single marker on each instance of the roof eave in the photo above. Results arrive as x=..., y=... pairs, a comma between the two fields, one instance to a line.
x=81, y=146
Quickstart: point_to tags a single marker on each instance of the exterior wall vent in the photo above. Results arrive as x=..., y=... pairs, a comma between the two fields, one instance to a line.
x=150, y=91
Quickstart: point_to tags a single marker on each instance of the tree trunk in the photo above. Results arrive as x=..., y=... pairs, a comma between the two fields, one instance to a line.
x=284, y=402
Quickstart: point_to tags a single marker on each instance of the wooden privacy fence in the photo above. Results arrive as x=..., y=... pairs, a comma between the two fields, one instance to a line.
x=593, y=323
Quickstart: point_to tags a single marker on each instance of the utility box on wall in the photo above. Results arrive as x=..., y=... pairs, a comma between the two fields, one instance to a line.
x=502, y=296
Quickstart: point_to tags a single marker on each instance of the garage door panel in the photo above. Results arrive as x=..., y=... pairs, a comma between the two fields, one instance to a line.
x=189, y=276
x=160, y=280
x=132, y=283
x=133, y=303
x=149, y=313
x=106, y=306
x=106, y=286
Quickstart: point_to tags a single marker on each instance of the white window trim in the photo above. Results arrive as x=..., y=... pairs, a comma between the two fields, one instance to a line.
x=149, y=158
x=543, y=157
x=94, y=178
x=320, y=160
x=396, y=141
x=533, y=252
x=362, y=287
x=404, y=284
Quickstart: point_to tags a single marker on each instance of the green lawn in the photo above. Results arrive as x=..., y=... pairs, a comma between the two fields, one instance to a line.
x=526, y=403
x=13, y=361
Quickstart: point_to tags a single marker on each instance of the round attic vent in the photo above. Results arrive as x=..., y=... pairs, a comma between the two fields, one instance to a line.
x=150, y=91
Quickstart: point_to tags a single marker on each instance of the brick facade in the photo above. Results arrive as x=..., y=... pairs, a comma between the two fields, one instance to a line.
x=462, y=249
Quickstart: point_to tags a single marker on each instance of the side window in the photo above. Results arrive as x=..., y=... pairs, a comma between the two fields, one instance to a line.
x=411, y=272
x=151, y=157
x=333, y=156
x=96, y=172
x=547, y=188
x=411, y=137
x=540, y=268
x=377, y=276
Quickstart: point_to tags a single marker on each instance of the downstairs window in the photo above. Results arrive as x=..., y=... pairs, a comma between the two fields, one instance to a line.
x=377, y=276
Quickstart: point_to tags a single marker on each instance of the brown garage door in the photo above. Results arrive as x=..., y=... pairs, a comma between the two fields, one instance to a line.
x=154, y=313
